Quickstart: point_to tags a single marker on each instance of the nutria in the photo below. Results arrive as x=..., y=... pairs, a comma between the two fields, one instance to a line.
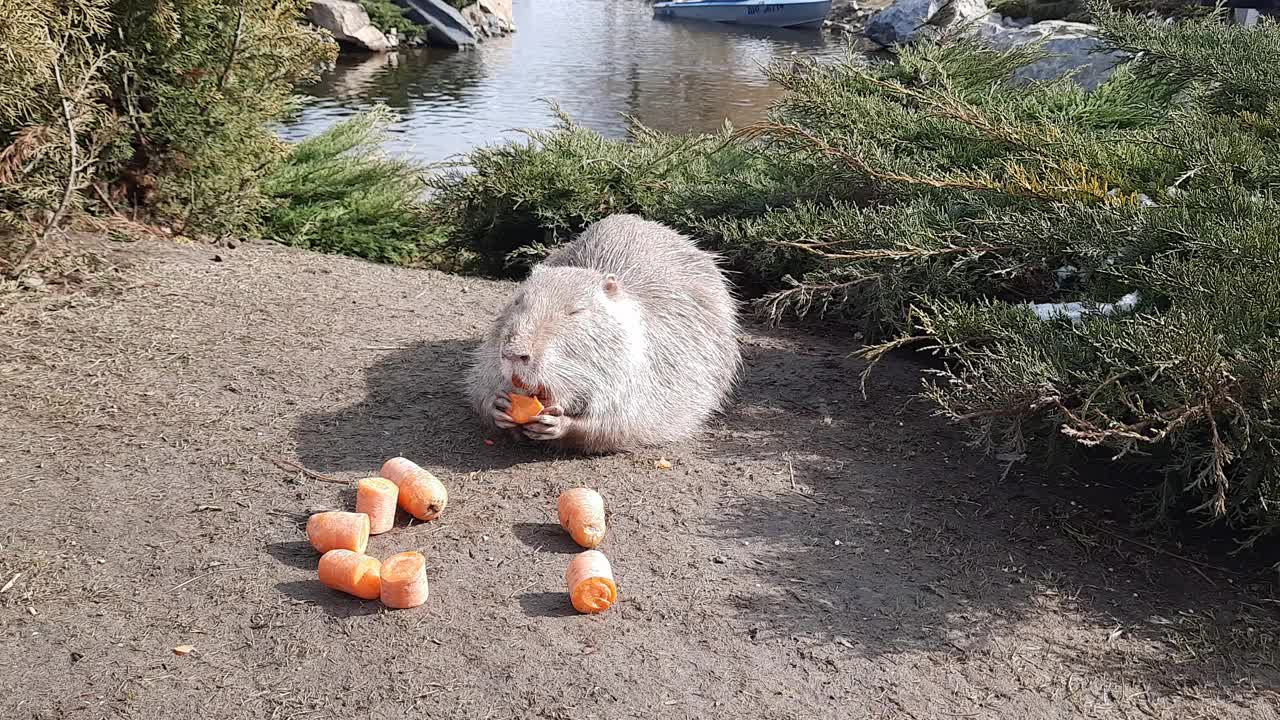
x=629, y=330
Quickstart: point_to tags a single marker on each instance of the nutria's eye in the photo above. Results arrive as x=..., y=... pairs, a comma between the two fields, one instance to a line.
x=577, y=311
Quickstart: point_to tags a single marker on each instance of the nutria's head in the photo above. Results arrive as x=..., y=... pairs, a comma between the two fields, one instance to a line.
x=569, y=331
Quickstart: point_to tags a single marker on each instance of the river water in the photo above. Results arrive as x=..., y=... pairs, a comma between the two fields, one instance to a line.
x=598, y=59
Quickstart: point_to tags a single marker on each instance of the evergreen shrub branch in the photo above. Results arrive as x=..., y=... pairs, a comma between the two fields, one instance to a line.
x=338, y=192
x=940, y=203
x=170, y=108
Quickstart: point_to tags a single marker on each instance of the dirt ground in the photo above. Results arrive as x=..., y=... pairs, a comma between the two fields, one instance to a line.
x=817, y=554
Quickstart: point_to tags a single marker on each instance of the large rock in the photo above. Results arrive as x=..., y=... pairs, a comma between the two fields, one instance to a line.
x=349, y=24
x=490, y=18
x=500, y=9
x=1073, y=47
x=445, y=25
x=905, y=20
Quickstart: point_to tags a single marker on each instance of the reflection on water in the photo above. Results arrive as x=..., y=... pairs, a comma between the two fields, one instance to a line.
x=598, y=59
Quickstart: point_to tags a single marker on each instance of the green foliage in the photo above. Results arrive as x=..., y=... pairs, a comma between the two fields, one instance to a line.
x=337, y=193
x=53, y=126
x=165, y=104
x=386, y=15
x=1080, y=10
x=515, y=202
x=933, y=199
x=202, y=80
x=1159, y=183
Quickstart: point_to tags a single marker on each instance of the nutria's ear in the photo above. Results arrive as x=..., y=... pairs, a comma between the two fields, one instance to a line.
x=611, y=285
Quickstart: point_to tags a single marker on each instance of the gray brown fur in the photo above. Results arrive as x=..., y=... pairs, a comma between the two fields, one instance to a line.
x=630, y=328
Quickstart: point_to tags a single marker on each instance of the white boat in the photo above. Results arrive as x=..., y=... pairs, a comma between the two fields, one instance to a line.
x=769, y=13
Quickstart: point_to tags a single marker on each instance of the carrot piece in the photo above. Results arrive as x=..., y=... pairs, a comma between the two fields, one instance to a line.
x=524, y=408
x=582, y=515
x=404, y=580
x=421, y=494
x=376, y=497
x=352, y=573
x=335, y=530
x=590, y=580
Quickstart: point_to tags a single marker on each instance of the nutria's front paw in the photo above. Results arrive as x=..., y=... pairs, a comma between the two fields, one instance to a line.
x=550, y=424
x=498, y=411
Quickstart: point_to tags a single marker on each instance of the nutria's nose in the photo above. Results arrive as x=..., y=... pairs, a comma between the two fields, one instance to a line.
x=513, y=357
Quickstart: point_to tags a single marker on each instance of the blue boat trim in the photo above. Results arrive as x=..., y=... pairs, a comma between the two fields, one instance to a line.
x=761, y=13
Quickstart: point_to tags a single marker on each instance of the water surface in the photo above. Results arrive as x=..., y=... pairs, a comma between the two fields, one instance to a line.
x=598, y=59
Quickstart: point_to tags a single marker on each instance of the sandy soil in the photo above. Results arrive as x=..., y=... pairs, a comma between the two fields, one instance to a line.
x=817, y=554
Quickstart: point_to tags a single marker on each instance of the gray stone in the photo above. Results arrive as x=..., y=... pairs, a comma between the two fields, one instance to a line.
x=1245, y=16
x=905, y=20
x=1072, y=47
x=348, y=22
x=446, y=25
x=490, y=18
x=500, y=9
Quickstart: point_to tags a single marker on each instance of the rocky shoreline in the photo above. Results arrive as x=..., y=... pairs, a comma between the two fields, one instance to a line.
x=441, y=23
x=1073, y=47
x=851, y=17
x=882, y=25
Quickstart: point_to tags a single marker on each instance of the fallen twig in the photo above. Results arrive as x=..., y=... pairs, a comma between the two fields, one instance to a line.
x=1166, y=553
x=517, y=591
x=295, y=467
x=185, y=583
x=102, y=195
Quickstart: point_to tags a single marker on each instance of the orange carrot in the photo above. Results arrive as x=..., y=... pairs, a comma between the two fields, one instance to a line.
x=404, y=580
x=376, y=497
x=352, y=573
x=421, y=494
x=590, y=580
x=335, y=530
x=582, y=515
x=524, y=408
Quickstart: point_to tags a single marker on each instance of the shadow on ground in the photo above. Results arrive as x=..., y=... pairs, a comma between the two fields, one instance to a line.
x=547, y=537
x=333, y=603
x=942, y=552
x=896, y=537
x=299, y=554
x=414, y=405
x=546, y=604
